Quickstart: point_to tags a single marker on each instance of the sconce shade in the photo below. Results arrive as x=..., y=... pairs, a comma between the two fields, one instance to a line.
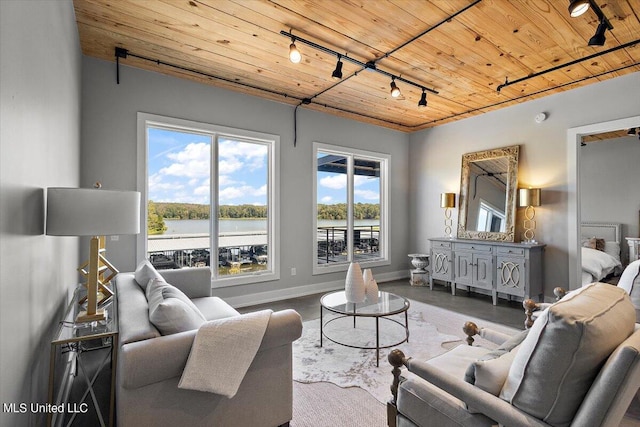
x=92, y=212
x=528, y=197
x=448, y=200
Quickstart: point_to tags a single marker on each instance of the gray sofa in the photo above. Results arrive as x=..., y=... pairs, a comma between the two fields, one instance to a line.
x=149, y=365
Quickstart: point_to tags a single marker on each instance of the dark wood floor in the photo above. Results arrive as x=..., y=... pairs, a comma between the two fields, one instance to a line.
x=506, y=312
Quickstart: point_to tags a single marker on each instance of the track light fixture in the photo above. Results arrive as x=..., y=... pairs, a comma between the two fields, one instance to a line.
x=423, y=99
x=337, y=73
x=294, y=54
x=578, y=7
x=370, y=66
x=599, y=38
x=395, y=90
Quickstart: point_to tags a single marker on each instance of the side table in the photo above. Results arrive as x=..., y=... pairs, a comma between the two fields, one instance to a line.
x=81, y=354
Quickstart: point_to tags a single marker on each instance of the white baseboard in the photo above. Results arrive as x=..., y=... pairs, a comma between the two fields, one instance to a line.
x=301, y=291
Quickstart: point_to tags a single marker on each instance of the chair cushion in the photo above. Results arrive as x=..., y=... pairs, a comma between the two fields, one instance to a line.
x=145, y=272
x=564, y=351
x=213, y=308
x=170, y=310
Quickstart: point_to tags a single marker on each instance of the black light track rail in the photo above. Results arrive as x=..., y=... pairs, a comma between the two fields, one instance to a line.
x=557, y=67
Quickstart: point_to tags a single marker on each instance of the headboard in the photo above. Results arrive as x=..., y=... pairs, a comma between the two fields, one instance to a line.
x=609, y=231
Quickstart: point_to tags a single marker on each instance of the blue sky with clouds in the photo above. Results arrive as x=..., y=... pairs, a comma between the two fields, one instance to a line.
x=180, y=163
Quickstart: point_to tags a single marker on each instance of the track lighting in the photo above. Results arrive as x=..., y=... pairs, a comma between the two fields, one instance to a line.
x=423, y=99
x=337, y=73
x=578, y=7
x=395, y=90
x=295, y=57
x=599, y=38
x=294, y=53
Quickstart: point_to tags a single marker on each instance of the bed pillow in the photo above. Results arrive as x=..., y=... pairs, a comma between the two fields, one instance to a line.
x=170, y=310
x=597, y=263
x=145, y=272
x=613, y=249
x=564, y=351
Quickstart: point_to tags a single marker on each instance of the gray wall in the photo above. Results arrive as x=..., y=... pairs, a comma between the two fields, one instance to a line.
x=109, y=155
x=610, y=184
x=435, y=158
x=39, y=147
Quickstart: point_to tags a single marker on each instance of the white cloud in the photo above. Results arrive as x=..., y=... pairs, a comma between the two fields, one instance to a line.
x=326, y=199
x=231, y=193
x=367, y=194
x=192, y=162
x=335, y=182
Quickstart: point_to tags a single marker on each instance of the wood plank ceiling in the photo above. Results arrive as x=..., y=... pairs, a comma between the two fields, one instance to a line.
x=237, y=45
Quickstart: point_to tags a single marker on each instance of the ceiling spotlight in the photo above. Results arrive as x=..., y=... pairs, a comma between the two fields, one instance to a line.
x=631, y=132
x=423, y=99
x=599, y=37
x=578, y=7
x=395, y=91
x=337, y=73
x=294, y=53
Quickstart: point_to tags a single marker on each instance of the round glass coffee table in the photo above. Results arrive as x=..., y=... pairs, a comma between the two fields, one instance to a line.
x=388, y=305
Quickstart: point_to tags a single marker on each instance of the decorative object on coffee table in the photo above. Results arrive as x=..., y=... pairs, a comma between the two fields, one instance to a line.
x=354, y=284
x=371, y=286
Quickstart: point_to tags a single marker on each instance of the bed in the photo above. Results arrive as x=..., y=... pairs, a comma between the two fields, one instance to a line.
x=601, y=251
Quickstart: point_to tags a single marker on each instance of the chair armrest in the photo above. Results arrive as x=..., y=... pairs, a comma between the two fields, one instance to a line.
x=489, y=334
x=493, y=407
x=530, y=306
x=158, y=359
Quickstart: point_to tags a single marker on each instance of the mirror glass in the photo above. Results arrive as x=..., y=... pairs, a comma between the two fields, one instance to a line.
x=488, y=186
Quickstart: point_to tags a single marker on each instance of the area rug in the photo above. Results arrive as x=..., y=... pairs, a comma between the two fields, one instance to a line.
x=433, y=330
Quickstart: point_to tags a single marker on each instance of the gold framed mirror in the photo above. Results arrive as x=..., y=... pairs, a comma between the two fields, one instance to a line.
x=488, y=186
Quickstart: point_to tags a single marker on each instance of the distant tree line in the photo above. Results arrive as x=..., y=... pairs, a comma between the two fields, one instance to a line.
x=339, y=211
x=158, y=212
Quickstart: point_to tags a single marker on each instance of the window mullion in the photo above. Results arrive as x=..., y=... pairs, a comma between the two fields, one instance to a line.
x=350, y=207
x=213, y=213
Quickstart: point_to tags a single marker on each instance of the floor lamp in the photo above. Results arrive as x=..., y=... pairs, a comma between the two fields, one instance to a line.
x=95, y=213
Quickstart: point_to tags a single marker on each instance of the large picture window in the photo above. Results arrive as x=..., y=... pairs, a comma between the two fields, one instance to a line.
x=210, y=199
x=351, y=208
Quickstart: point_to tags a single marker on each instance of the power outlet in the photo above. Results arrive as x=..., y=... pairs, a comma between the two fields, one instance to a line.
x=293, y=271
x=115, y=238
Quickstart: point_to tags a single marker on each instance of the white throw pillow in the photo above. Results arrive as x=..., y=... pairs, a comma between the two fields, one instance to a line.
x=170, y=310
x=491, y=374
x=145, y=272
x=564, y=351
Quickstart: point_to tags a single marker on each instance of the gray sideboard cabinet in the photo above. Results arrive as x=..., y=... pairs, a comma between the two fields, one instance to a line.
x=511, y=269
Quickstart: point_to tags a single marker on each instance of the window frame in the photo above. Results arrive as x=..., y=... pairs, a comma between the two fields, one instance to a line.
x=272, y=142
x=350, y=154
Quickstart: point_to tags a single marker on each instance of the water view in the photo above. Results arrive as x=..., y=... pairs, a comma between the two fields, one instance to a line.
x=199, y=226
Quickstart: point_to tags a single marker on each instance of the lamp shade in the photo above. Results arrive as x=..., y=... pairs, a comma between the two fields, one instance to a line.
x=528, y=197
x=92, y=212
x=448, y=200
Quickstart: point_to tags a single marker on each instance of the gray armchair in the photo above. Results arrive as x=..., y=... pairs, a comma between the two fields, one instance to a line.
x=579, y=365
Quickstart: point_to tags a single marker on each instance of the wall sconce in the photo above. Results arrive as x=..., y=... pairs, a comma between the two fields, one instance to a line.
x=447, y=201
x=529, y=198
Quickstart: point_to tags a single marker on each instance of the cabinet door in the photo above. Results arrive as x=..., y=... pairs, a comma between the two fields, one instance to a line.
x=511, y=276
x=441, y=264
x=483, y=271
x=463, y=268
